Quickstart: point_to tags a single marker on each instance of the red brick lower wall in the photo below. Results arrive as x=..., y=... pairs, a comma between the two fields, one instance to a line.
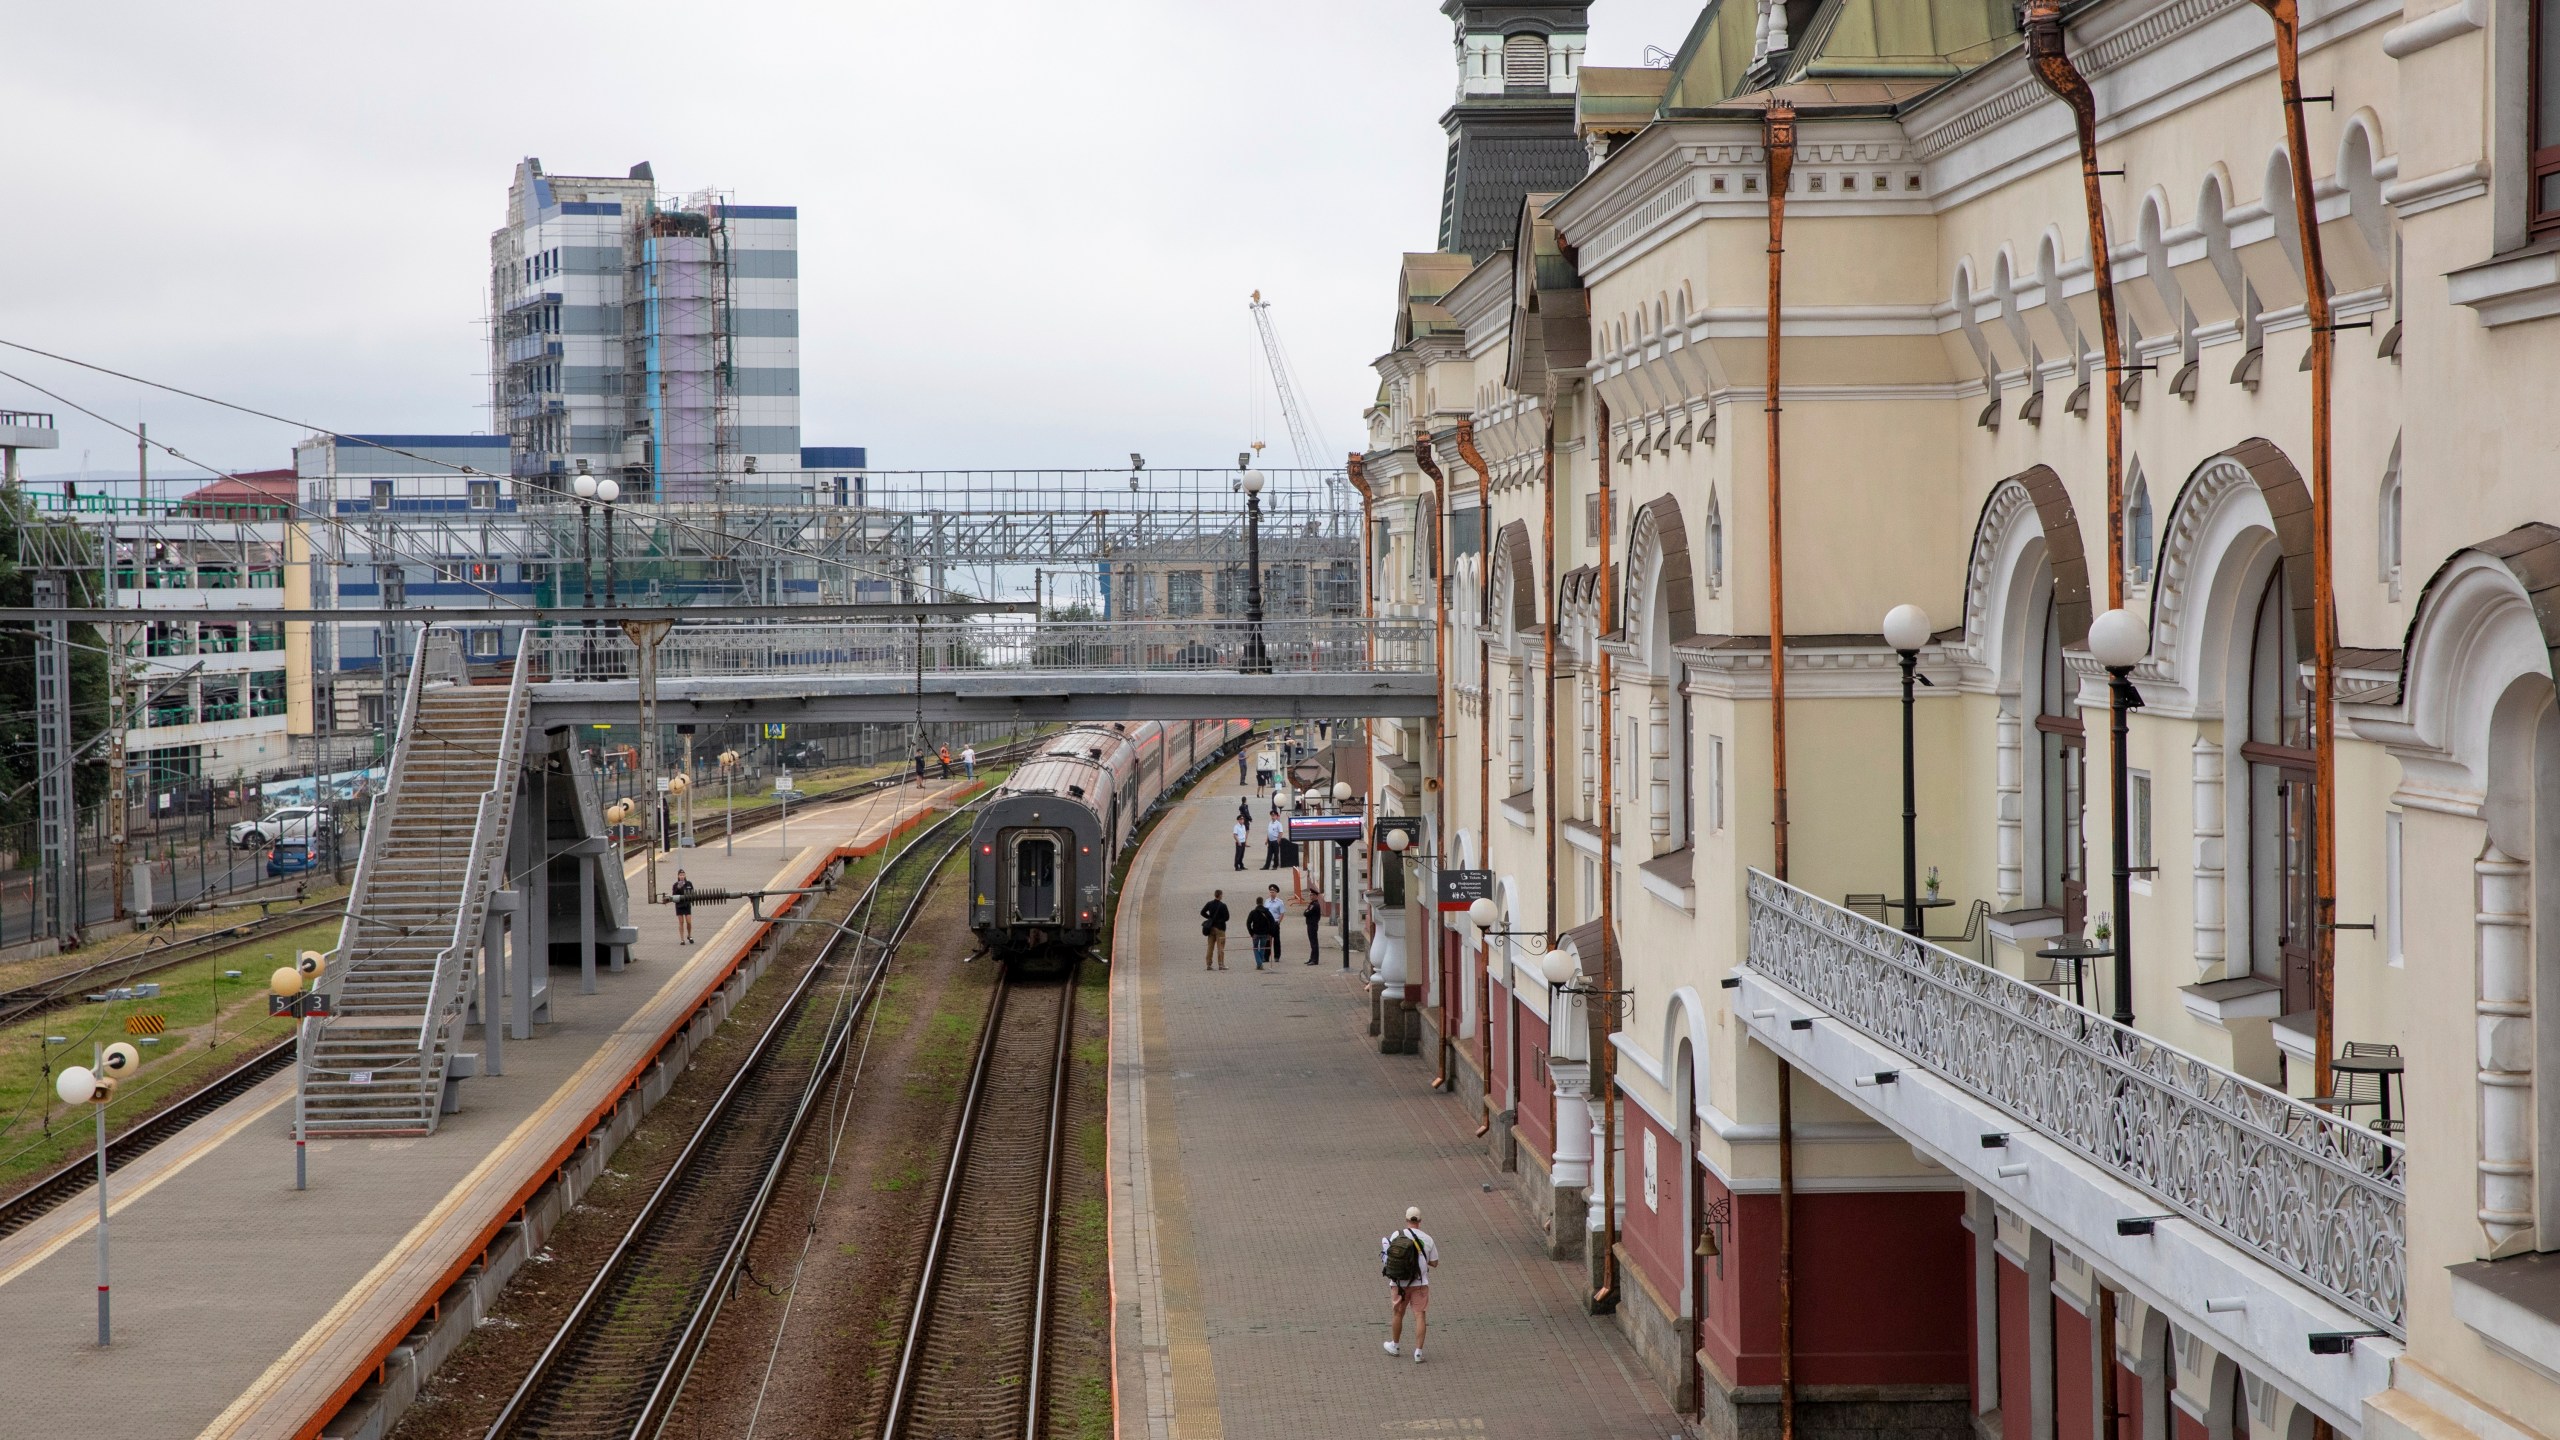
x=2074, y=1381
x=2017, y=1394
x=1881, y=1289
x=1655, y=1235
x=1537, y=1112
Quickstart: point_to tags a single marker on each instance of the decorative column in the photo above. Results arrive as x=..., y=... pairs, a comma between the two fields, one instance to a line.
x=1516, y=732
x=2205, y=768
x=2009, y=788
x=1574, y=1123
x=2505, y=1005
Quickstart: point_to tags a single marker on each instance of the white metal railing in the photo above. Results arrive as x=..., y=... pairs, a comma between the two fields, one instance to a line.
x=2319, y=1198
x=1293, y=646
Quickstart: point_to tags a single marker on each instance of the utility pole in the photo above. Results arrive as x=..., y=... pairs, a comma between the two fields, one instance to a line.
x=116, y=718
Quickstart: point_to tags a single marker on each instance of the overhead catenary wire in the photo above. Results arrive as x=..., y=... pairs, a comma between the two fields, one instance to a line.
x=692, y=528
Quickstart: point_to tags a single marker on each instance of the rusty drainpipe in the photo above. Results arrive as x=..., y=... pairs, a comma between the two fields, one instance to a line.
x=1468, y=452
x=2049, y=57
x=1605, y=1299
x=1426, y=453
x=1779, y=138
x=1553, y=597
x=2324, y=634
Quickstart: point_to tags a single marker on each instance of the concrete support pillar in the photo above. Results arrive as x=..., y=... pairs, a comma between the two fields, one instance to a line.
x=534, y=965
x=587, y=861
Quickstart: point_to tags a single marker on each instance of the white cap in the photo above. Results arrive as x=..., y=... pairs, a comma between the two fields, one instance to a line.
x=1412, y=1213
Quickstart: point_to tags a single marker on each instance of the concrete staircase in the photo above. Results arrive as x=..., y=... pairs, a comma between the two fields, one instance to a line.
x=402, y=976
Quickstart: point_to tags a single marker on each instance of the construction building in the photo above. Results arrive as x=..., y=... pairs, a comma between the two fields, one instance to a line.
x=658, y=341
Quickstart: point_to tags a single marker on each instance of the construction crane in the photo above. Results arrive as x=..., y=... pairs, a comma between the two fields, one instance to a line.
x=1311, y=452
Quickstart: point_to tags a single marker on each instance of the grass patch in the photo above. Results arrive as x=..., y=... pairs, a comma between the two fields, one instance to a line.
x=199, y=1004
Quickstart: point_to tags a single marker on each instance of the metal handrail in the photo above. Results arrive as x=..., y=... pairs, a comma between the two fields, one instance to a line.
x=485, y=857
x=1293, y=645
x=2321, y=1199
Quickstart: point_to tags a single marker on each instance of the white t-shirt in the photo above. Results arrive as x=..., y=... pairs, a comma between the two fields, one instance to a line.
x=1278, y=830
x=1430, y=1252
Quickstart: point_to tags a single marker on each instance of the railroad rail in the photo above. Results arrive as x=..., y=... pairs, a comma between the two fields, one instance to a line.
x=76, y=1174
x=746, y=816
x=975, y=1356
x=621, y=1357
x=55, y=991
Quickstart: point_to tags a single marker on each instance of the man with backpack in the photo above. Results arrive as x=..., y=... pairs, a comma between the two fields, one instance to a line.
x=1264, y=930
x=1409, y=1257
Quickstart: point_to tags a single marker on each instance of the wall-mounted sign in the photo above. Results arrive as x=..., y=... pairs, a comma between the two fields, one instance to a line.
x=1462, y=888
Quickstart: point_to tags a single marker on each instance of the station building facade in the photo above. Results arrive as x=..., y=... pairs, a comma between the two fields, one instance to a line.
x=1999, y=1208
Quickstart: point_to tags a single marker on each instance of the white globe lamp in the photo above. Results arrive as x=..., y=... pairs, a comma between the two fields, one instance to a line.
x=1557, y=967
x=584, y=485
x=2118, y=640
x=1906, y=627
x=607, y=490
x=1252, y=482
x=1482, y=914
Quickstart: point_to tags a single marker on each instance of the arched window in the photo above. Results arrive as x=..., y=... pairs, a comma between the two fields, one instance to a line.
x=1715, y=546
x=1524, y=62
x=2387, y=526
x=2059, y=750
x=2139, y=553
x=2278, y=754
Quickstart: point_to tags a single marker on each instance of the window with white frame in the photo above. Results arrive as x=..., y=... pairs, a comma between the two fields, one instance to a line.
x=484, y=644
x=482, y=494
x=2138, y=533
x=2391, y=888
x=1715, y=784
x=2137, y=811
x=1715, y=546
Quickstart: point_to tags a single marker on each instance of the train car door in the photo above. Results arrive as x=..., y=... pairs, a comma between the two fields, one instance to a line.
x=1035, y=877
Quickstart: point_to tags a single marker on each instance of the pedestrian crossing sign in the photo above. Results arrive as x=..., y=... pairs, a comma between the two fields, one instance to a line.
x=777, y=732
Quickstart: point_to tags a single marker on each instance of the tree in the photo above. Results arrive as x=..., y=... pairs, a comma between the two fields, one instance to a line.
x=19, y=802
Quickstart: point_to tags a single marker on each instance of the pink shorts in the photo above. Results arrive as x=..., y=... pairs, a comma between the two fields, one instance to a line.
x=1416, y=1298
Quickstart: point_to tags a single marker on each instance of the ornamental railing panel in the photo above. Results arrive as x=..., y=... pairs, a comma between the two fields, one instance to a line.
x=2319, y=1198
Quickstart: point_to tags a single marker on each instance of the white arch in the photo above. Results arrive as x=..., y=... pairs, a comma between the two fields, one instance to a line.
x=1684, y=1017
x=2219, y=543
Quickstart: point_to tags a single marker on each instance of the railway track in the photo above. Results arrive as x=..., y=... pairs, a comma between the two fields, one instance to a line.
x=55, y=991
x=620, y=1358
x=975, y=1358
x=74, y=1176
x=748, y=816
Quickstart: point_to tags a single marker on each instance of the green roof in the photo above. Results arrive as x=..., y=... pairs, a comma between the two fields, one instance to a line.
x=1881, y=40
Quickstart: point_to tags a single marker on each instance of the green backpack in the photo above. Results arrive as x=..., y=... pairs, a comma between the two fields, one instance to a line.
x=1404, y=1259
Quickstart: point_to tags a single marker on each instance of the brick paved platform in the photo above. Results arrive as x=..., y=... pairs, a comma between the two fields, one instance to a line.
x=1259, y=1148
x=244, y=1308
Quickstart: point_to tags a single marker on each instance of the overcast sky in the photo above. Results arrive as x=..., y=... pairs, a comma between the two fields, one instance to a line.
x=1027, y=229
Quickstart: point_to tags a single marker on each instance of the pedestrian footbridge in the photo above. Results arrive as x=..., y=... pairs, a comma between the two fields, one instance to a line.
x=1008, y=668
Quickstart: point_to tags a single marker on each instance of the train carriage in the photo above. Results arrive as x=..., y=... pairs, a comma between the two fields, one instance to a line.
x=1042, y=852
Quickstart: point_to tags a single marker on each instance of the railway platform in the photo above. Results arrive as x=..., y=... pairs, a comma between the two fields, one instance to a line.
x=246, y=1310
x=1259, y=1147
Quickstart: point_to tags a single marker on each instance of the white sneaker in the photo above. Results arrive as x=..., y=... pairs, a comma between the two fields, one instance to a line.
x=1417, y=1357
x=1391, y=1348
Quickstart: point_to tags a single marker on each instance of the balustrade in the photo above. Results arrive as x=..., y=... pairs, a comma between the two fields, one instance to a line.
x=2317, y=1197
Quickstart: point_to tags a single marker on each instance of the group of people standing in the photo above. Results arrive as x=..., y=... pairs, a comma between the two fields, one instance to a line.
x=1263, y=921
x=968, y=758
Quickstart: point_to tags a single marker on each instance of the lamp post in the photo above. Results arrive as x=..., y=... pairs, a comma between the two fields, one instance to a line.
x=1906, y=629
x=606, y=493
x=95, y=1084
x=585, y=488
x=286, y=985
x=729, y=773
x=674, y=787
x=2118, y=640
x=1257, y=660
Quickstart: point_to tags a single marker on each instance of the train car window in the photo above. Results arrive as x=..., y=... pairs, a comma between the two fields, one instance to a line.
x=1035, y=880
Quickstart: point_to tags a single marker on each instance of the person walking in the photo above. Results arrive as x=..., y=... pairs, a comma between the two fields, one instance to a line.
x=682, y=893
x=1264, y=930
x=1244, y=835
x=919, y=759
x=1271, y=837
x=1408, y=1257
x=1315, y=927
x=969, y=758
x=1279, y=909
x=1213, y=925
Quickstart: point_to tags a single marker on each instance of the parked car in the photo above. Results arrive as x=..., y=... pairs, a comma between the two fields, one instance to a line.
x=291, y=857
x=292, y=822
x=801, y=755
